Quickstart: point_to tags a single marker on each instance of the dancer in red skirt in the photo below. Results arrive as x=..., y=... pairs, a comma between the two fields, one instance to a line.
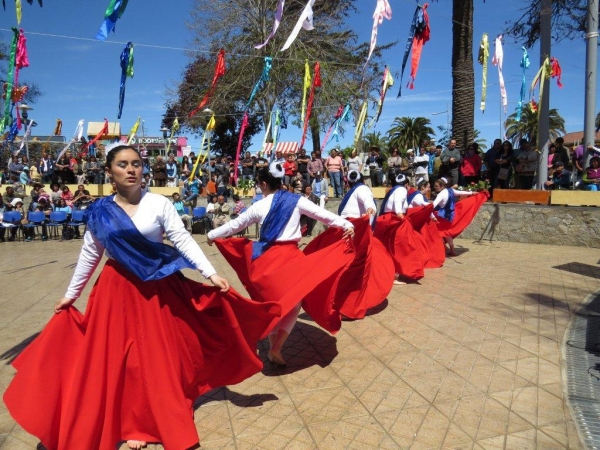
x=150, y=342
x=275, y=269
x=368, y=281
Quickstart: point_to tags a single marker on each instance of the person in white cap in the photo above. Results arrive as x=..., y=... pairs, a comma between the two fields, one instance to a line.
x=359, y=200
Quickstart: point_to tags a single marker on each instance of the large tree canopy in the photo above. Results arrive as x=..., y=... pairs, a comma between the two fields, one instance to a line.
x=237, y=26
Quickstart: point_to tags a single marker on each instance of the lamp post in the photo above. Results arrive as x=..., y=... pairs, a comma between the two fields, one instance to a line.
x=25, y=114
x=447, y=112
x=165, y=130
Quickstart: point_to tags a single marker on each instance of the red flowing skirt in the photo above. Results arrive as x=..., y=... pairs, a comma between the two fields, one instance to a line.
x=466, y=210
x=403, y=244
x=369, y=279
x=132, y=366
x=287, y=276
x=434, y=253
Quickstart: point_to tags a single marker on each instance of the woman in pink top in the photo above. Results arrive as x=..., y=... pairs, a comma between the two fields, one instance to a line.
x=334, y=167
x=470, y=166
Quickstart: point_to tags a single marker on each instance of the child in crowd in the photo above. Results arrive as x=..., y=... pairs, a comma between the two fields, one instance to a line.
x=180, y=208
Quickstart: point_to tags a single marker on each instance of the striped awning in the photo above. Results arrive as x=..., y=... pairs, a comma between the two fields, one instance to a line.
x=284, y=147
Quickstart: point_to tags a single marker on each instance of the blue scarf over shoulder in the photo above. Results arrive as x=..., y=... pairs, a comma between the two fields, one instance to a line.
x=387, y=197
x=146, y=259
x=284, y=204
x=344, y=201
x=447, y=212
x=411, y=197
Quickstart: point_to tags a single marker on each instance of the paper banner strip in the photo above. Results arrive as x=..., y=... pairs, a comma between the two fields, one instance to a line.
x=498, y=60
x=7, y=119
x=115, y=10
x=305, y=88
x=58, y=128
x=205, y=136
x=388, y=82
x=126, y=71
x=219, y=72
x=417, y=37
x=550, y=68
x=133, y=131
x=278, y=17
x=239, y=146
x=482, y=58
x=264, y=78
x=103, y=132
x=525, y=63
x=315, y=84
x=174, y=129
x=360, y=123
x=383, y=10
x=305, y=21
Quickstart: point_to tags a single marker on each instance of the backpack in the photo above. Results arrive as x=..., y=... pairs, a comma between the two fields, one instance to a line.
x=68, y=233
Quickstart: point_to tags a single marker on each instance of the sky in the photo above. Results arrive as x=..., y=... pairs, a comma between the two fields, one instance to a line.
x=79, y=76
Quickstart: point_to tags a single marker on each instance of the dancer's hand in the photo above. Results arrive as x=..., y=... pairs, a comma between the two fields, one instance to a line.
x=63, y=304
x=400, y=216
x=370, y=212
x=220, y=282
x=348, y=233
x=210, y=241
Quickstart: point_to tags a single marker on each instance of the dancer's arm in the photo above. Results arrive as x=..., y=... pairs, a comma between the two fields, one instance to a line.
x=241, y=222
x=308, y=208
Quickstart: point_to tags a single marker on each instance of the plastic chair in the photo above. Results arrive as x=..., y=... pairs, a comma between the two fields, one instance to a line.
x=57, y=219
x=77, y=219
x=198, y=212
x=186, y=210
x=36, y=219
x=12, y=219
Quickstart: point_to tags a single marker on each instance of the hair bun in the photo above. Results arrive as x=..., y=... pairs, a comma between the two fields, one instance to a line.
x=400, y=178
x=276, y=170
x=353, y=176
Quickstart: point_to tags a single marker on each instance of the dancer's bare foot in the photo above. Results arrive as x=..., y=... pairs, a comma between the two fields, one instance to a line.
x=276, y=357
x=398, y=282
x=136, y=445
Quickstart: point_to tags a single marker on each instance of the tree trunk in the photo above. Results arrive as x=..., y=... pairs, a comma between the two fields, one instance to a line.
x=315, y=130
x=463, y=78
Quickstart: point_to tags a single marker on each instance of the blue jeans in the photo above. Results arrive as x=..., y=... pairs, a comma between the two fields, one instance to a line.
x=336, y=183
x=591, y=187
x=192, y=198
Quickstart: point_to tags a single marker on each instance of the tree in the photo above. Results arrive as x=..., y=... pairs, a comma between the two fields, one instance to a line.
x=238, y=25
x=375, y=140
x=597, y=122
x=407, y=132
x=527, y=127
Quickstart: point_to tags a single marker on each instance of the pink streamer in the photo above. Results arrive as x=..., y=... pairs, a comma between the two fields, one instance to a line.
x=497, y=61
x=239, y=146
x=383, y=10
x=21, y=60
x=278, y=17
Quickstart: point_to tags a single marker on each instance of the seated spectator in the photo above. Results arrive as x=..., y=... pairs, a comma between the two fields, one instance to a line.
x=9, y=194
x=211, y=186
x=35, y=195
x=298, y=183
x=144, y=187
x=82, y=197
x=320, y=189
x=55, y=193
x=44, y=206
x=561, y=178
x=44, y=194
x=68, y=232
x=192, y=191
x=17, y=205
x=238, y=205
x=18, y=187
x=67, y=195
x=591, y=176
x=180, y=208
x=221, y=212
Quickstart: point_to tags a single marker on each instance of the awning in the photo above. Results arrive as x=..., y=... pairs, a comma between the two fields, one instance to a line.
x=284, y=147
x=114, y=129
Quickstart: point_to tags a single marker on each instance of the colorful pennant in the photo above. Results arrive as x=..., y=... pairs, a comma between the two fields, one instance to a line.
x=482, y=58
x=305, y=88
x=7, y=119
x=133, y=131
x=278, y=17
x=205, y=141
x=360, y=123
x=315, y=84
x=417, y=37
x=239, y=146
x=115, y=10
x=126, y=71
x=498, y=60
x=525, y=63
x=19, y=11
x=264, y=78
x=103, y=132
x=550, y=68
x=383, y=10
x=58, y=128
x=219, y=72
x=174, y=129
x=388, y=82
x=305, y=21
x=336, y=118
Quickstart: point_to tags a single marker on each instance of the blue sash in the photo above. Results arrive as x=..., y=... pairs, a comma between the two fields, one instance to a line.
x=447, y=212
x=411, y=197
x=387, y=197
x=146, y=259
x=284, y=204
x=347, y=197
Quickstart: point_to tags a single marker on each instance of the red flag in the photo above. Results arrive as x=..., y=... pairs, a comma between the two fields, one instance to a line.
x=103, y=132
x=239, y=146
x=556, y=71
x=219, y=72
x=315, y=84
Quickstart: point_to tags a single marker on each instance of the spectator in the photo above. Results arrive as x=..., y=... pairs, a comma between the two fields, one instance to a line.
x=82, y=197
x=561, y=178
x=470, y=166
x=46, y=168
x=64, y=169
x=67, y=196
x=247, y=167
x=55, y=193
x=144, y=187
x=44, y=206
x=192, y=191
x=394, y=163
x=44, y=194
x=298, y=184
x=526, y=165
x=577, y=160
x=562, y=152
x=451, y=159
x=171, y=171
x=375, y=164
x=211, y=186
x=591, y=176
x=503, y=165
x=160, y=172
x=421, y=164
x=279, y=157
x=490, y=162
x=15, y=167
x=35, y=195
x=221, y=212
x=435, y=164
x=186, y=168
x=315, y=165
x=302, y=161
x=307, y=224
x=17, y=205
x=354, y=162
x=320, y=189
x=238, y=206
x=181, y=210
x=290, y=168
x=260, y=163
x=9, y=194
x=210, y=210
x=34, y=173
x=333, y=164
x=222, y=185
x=95, y=172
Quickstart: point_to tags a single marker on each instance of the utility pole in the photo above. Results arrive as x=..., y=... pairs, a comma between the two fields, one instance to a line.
x=543, y=118
x=591, y=63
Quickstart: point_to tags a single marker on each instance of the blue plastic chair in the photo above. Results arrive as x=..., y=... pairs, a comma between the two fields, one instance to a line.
x=12, y=219
x=57, y=219
x=198, y=212
x=186, y=210
x=36, y=219
x=77, y=218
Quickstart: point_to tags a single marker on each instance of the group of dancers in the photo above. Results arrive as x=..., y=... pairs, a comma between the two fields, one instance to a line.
x=152, y=341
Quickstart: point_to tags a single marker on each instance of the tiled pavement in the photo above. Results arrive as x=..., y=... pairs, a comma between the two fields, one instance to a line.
x=469, y=358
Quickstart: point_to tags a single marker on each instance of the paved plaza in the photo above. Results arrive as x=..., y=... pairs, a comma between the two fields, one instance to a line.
x=469, y=358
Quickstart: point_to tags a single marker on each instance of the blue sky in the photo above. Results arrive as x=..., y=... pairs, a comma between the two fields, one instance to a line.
x=80, y=76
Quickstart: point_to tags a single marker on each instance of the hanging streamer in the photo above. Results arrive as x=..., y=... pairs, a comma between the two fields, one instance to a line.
x=417, y=36
x=275, y=132
x=21, y=61
x=205, y=139
x=58, y=128
x=126, y=71
x=133, y=131
x=345, y=117
x=115, y=10
x=497, y=60
x=219, y=72
x=315, y=84
x=360, y=123
x=103, y=132
x=7, y=119
x=388, y=81
x=19, y=11
x=239, y=146
x=174, y=129
x=305, y=21
x=267, y=131
x=482, y=58
x=556, y=71
x=336, y=117
x=26, y=136
x=525, y=63
x=76, y=137
x=278, y=17
x=383, y=10
x=264, y=78
x=550, y=68
x=305, y=88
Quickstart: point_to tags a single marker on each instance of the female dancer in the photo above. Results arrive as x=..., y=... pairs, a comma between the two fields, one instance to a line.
x=453, y=218
x=151, y=340
x=397, y=234
x=370, y=278
x=275, y=269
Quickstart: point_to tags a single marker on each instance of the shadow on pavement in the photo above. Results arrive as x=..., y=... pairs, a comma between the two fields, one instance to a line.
x=587, y=270
x=11, y=354
x=241, y=400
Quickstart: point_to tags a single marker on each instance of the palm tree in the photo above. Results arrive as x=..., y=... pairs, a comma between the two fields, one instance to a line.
x=479, y=141
x=527, y=127
x=407, y=132
x=375, y=140
x=597, y=122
